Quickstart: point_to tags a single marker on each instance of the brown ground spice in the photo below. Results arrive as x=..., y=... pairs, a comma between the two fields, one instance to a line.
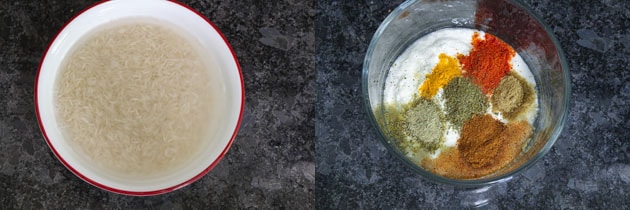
x=513, y=97
x=508, y=95
x=486, y=145
x=478, y=143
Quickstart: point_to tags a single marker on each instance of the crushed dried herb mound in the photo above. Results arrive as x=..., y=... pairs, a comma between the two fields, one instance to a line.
x=463, y=99
x=485, y=147
x=419, y=126
x=513, y=96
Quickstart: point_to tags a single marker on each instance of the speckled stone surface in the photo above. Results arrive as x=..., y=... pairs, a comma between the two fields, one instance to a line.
x=272, y=161
x=589, y=166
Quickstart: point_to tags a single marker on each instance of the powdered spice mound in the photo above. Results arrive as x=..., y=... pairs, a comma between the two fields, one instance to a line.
x=513, y=96
x=487, y=62
x=446, y=69
x=514, y=139
x=463, y=100
x=420, y=126
x=478, y=144
x=480, y=151
x=423, y=123
x=508, y=95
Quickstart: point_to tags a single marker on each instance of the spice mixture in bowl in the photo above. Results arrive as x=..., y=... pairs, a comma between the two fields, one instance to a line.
x=467, y=93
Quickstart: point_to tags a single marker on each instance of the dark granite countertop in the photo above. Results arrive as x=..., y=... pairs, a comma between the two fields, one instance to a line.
x=588, y=167
x=271, y=163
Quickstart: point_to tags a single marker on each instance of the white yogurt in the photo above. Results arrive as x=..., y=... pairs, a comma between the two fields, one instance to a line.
x=410, y=68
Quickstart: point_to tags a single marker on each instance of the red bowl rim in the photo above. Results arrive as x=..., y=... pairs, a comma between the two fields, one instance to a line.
x=153, y=192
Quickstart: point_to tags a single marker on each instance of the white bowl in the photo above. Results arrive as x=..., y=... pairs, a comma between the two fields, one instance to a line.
x=185, y=18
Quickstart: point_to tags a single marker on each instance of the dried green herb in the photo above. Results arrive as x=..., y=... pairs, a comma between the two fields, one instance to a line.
x=419, y=125
x=463, y=100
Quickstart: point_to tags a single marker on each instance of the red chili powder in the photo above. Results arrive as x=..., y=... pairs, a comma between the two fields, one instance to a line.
x=487, y=62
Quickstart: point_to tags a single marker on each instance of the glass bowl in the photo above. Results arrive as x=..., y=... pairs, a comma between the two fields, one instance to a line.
x=509, y=20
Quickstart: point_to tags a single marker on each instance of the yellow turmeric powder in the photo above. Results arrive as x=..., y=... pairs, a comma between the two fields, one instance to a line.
x=446, y=69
